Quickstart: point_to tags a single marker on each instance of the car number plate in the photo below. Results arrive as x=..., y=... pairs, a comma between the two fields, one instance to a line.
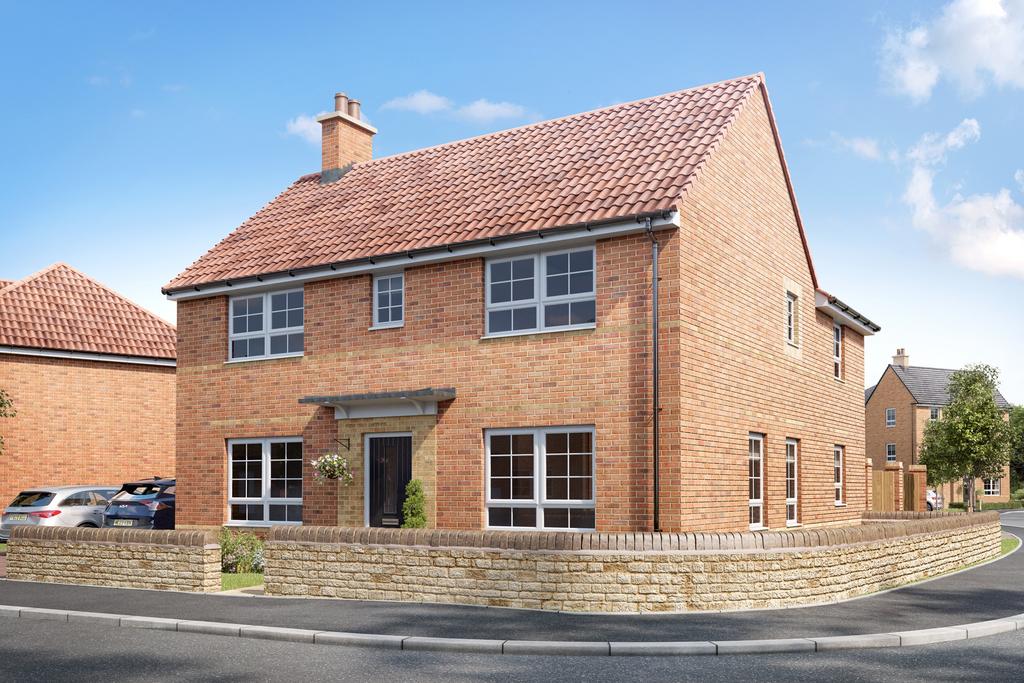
x=18, y=518
x=123, y=522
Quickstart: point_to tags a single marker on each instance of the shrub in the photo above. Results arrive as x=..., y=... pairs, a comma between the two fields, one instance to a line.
x=414, y=509
x=240, y=552
x=1018, y=494
x=956, y=506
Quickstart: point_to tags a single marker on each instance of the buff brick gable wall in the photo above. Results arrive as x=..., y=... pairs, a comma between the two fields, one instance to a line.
x=84, y=422
x=890, y=392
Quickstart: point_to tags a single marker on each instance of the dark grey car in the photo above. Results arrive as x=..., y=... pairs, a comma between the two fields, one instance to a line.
x=57, y=506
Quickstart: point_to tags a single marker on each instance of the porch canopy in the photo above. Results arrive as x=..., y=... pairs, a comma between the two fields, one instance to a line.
x=383, y=403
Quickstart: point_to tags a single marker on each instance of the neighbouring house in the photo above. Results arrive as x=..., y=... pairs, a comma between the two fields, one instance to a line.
x=480, y=316
x=91, y=375
x=898, y=407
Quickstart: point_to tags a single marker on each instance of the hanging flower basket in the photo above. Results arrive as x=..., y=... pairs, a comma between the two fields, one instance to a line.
x=332, y=467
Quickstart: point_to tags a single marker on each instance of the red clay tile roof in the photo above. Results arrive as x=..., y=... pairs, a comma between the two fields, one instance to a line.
x=59, y=308
x=615, y=162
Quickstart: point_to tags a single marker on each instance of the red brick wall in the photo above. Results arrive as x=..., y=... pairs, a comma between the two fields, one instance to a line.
x=84, y=422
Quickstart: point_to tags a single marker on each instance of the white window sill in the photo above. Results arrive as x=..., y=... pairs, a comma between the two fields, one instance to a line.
x=794, y=345
x=840, y=505
x=260, y=525
x=757, y=527
x=259, y=358
x=792, y=525
x=525, y=333
x=386, y=326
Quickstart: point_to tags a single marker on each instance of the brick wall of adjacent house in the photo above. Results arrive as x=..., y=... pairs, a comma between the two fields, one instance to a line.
x=125, y=558
x=84, y=422
x=726, y=370
x=742, y=252
x=623, y=572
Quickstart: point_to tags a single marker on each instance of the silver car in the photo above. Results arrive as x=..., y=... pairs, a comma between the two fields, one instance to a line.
x=57, y=506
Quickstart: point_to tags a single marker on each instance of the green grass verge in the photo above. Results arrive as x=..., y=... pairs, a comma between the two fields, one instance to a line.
x=1008, y=545
x=231, y=582
x=3, y=547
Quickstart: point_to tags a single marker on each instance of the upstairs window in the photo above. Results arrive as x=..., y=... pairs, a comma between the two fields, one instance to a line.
x=890, y=452
x=541, y=292
x=791, y=318
x=267, y=325
x=890, y=417
x=934, y=415
x=837, y=351
x=389, y=300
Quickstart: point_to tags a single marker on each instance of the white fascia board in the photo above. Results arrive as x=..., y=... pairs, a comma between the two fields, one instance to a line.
x=83, y=355
x=502, y=246
x=822, y=303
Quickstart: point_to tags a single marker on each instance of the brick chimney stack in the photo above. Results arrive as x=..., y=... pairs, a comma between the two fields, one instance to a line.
x=901, y=358
x=345, y=138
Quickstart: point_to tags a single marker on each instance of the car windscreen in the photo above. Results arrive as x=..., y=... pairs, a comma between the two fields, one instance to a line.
x=137, y=492
x=32, y=499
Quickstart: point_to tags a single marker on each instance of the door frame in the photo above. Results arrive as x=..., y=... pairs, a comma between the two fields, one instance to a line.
x=366, y=467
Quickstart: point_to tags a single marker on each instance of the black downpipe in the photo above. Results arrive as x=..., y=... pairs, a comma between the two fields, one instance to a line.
x=654, y=368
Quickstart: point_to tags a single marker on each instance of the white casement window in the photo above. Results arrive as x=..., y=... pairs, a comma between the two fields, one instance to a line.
x=267, y=325
x=890, y=452
x=389, y=300
x=890, y=417
x=837, y=468
x=792, y=324
x=991, y=487
x=265, y=481
x=934, y=414
x=540, y=478
x=792, y=485
x=837, y=351
x=755, y=479
x=538, y=292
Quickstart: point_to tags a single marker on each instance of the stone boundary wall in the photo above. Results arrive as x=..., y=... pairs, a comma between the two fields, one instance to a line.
x=124, y=558
x=636, y=572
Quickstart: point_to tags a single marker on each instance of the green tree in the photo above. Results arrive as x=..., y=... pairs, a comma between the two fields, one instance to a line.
x=6, y=410
x=972, y=440
x=414, y=509
x=1017, y=447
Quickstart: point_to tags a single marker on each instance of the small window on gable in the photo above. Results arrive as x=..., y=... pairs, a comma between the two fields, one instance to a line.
x=389, y=300
x=792, y=319
x=890, y=417
x=837, y=351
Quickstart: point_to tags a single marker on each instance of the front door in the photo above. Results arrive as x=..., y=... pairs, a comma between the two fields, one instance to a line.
x=390, y=469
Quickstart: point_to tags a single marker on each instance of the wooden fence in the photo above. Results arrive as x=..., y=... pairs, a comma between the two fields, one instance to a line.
x=893, y=490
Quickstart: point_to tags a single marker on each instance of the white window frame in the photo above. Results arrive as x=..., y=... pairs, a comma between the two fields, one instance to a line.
x=377, y=324
x=265, y=499
x=793, y=503
x=991, y=486
x=266, y=333
x=839, y=473
x=889, y=423
x=890, y=452
x=792, y=319
x=756, y=502
x=934, y=413
x=540, y=298
x=539, y=500
x=837, y=351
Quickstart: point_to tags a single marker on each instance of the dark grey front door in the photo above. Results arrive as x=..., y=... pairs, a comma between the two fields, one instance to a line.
x=390, y=466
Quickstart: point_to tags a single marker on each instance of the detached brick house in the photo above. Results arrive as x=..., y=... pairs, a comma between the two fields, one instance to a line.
x=92, y=379
x=905, y=399
x=480, y=315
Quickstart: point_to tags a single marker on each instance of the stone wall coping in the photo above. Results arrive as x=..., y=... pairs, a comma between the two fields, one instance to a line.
x=182, y=538
x=878, y=526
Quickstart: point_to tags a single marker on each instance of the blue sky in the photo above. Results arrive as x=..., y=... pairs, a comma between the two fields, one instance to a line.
x=136, y=135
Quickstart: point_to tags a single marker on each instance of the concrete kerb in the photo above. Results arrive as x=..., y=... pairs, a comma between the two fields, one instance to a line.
x=979, y=629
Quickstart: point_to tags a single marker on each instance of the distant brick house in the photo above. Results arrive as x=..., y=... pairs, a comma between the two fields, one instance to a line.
x=480, y=315
x=897, y=409
x=92, y=379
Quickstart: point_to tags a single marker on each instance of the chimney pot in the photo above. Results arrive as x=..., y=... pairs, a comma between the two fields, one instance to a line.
x=345, y=139
x=353, y=109
x=901, y=358
x=341, y=102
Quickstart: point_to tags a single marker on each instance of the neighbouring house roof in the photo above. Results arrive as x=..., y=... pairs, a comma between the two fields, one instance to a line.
x=61, y=309
x=867, y=393
x=930, y=386
x=612, y=163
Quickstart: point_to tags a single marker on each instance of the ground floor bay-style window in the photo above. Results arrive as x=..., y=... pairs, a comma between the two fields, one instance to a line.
x=265, y=481
x=756, y=480
x=540, y=478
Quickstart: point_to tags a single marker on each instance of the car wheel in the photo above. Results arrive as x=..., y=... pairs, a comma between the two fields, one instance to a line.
x=930, y=508
x=89, y=525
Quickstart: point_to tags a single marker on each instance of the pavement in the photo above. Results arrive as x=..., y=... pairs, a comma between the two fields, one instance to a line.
x=991, y=591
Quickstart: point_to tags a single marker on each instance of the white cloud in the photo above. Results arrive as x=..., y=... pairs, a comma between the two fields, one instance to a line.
x=970, y=43
x=865, y=148
x=485, y=111
x=305, y=127
x=982, y=232
x=421, y=102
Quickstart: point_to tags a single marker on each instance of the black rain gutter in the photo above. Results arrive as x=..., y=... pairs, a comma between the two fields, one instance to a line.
x=643, y=217
x=655, y=404
x=852, y=313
